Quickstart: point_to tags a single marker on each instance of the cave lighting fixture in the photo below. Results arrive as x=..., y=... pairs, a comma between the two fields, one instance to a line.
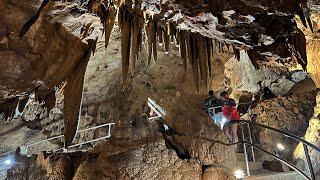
x=239, y=174
x=8, y=162
x=280, y=147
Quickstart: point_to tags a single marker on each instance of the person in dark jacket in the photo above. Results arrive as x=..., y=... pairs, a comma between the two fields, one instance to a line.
x=212, y=104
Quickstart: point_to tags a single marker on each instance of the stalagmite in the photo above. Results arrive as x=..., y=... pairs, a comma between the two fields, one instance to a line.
x=109, y=23
x=125, y=19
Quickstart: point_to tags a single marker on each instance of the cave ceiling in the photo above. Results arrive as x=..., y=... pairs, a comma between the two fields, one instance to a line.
x=45, y=45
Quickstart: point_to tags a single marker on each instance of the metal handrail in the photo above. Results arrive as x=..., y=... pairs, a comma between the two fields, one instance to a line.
x=260, y=149
x=306, y=144
x=245, y=103
x=283, y=133
x=60, y=136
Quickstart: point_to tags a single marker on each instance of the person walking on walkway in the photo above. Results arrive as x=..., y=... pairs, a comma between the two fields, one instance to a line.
x=232, y=117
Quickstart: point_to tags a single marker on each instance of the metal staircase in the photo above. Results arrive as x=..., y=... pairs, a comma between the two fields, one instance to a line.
x=254, y=169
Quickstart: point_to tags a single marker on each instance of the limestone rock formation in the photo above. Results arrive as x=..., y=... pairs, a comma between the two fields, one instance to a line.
x=172, y=51
x=312, y=136
x=290, y=114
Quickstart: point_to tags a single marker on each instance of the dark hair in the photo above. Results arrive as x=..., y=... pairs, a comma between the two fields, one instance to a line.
x=223, y=93
x=211, y=92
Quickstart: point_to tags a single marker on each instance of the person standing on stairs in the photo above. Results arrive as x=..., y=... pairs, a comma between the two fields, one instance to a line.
x=232, y=117
x=212, y=105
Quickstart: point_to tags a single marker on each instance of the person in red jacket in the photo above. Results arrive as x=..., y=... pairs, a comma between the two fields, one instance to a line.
x=232, y=115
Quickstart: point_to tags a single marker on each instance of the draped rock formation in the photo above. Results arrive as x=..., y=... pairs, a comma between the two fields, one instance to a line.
x=45, y=44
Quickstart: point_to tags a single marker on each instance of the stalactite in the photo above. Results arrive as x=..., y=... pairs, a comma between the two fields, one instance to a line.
x=192, y=56
x=73, y=92
x=302, y=18
x=22, y=104
x=154, y=41
x=149, y=30
x=8, y=107
x=213, y=50
x=25, y=28
x=47, y=96
x=125, y=19
x=140, y=37
x=299, y=43
x=210, y=55
x=160, y=34
x=109, y=23
x=50, y=101
x=216, y=46
x=182, y=39
x=166, y=40
x=171, y=32
x=176, y=36
x=134, y=41
x=222, y=47
x=309, y=23
x=236, y=53
x=199, y=56
x=203, y=59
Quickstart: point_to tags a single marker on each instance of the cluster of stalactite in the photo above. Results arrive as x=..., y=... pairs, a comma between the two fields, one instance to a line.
x=131, y=25
x=198, y=50
x=195, y=49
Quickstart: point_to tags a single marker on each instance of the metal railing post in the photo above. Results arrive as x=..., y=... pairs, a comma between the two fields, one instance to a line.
x=245, y=151
x=306, y=151
x=109, y=130
x=250, y=135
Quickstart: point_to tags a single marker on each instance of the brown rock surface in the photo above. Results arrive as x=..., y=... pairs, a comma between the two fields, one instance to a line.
x=290, y=114
x=312, y=136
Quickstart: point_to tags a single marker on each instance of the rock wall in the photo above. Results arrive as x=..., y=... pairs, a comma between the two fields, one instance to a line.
x=242, y=77
x=312, y=136
x=144, y=157
x=313, y=41
x=290, y=114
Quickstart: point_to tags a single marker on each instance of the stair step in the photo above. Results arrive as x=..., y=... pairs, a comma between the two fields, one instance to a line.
x=253, y=166
x=269, y=175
